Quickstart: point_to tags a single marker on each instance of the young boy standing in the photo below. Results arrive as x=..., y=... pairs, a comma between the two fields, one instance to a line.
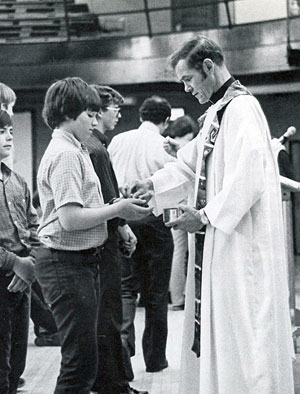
x=18, y=243
x=73, y=230
x=111, y=377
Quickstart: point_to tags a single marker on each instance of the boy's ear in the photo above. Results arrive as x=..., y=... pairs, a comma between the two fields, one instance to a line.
x=3, y=107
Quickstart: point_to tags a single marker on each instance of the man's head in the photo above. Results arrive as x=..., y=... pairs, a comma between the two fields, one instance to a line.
x=70, y=104
x=183, y=129
x=6, y=135
x=7, y=98
x=199, y=64
x=110, y=109
x=156, y=110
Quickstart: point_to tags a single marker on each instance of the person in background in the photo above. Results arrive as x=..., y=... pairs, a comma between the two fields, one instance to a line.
x=111, y=377
x=136, y=154
x=237, y=332
x=182, y=130
x=7, y=99
x=18, y=246
x=73, y=230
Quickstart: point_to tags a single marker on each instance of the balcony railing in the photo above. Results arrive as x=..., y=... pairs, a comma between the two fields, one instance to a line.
x=24, y=21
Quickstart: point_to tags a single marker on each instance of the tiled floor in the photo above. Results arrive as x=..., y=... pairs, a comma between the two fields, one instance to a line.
x=43, y=362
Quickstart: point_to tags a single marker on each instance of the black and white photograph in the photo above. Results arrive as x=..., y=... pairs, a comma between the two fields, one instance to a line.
x=150, y=197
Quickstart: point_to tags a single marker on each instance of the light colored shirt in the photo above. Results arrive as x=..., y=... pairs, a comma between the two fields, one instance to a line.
x=138, y=154
x=66, y=176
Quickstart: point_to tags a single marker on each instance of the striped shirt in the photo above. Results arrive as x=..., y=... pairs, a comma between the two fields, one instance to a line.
x=18, y=219
x=66, y=176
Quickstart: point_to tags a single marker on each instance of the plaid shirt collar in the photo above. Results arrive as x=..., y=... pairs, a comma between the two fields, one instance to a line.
x=60, y=133
x=6, y=171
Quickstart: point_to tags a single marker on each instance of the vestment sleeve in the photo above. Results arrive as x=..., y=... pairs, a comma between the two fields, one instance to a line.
x=174, y=182
x=245, y=146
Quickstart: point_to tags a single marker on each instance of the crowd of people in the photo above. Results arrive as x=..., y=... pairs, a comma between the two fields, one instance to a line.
x=100, y=239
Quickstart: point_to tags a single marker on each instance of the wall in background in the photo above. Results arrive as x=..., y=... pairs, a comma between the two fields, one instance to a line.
x=23, y=146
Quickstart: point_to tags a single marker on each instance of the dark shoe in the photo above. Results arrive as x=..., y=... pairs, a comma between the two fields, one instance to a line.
x=178, y=307
x=158, y=368
x=131, y=390
x=47, y=340
x=21, y=383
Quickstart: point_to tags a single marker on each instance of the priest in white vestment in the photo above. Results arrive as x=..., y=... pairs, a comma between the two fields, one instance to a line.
x=246, y=338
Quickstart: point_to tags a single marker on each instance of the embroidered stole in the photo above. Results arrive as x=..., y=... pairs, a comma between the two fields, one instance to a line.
x=209, y=124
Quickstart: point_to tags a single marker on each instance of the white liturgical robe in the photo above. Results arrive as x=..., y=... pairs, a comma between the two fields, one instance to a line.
x=246, y=337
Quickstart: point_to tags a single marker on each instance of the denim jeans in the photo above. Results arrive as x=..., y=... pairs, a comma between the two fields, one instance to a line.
x=148, y=271
x=14, y=321
x=70, y=284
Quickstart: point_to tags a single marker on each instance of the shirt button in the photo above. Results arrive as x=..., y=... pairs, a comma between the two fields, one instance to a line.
x=9, y=202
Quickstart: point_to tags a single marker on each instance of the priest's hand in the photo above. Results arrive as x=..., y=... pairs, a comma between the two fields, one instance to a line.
x=139, y=189
x=189, y=220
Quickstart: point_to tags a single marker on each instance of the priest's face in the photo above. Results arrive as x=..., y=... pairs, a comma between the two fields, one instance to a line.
x=199, y=84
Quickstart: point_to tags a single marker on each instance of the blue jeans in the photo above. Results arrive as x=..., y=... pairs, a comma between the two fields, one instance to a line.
x=14, y=321
x=70, y=284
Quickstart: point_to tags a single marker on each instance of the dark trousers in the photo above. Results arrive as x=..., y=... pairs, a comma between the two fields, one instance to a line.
x=14, y=319
x=111, y=376
x=148, y=271
x=70, y=284
x=40, y=312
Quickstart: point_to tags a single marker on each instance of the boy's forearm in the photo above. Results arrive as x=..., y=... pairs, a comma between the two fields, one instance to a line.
x=73, y=217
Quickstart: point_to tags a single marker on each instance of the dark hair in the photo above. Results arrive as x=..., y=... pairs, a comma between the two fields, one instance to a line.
x=108, y=96
x=155, y=109
x=5, y=119
x=182, y=126
x=195, y=51
x=7, y=95
x=68, y=98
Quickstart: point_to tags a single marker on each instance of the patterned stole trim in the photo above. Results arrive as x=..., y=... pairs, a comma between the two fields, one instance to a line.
x=234, y=90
